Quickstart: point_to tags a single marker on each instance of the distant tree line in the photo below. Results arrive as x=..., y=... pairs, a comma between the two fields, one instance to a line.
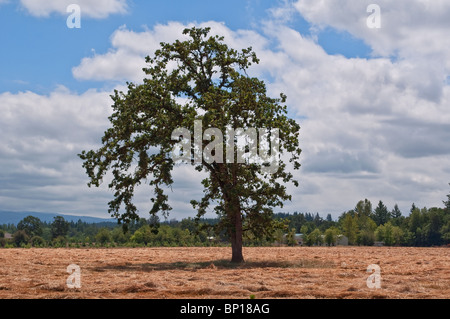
x=32, y=232
x=363, y=225
x=366, y=226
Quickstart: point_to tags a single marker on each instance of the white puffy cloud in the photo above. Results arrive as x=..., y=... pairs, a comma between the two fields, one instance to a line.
x=126, y=58
x=409, y=28
x=41, y=137
x=98, y=9
x=40, y=169
x=362, y=119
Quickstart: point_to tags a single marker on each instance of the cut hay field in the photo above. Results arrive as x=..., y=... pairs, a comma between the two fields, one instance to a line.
x=269, y=272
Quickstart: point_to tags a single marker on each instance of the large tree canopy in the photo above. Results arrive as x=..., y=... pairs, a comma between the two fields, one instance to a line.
x=31, y=225
x=200, y=83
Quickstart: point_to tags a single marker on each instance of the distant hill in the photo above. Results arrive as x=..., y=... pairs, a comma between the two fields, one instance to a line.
x=7, y=217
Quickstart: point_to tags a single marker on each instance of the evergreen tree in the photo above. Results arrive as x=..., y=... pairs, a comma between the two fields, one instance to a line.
x=396, y=213
x=396, y=216
x=435, y=223
x=59, y=227
x=381, y=214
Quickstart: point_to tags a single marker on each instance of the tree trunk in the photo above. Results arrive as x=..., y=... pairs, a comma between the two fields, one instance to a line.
x=236, y=239
x=233, y=213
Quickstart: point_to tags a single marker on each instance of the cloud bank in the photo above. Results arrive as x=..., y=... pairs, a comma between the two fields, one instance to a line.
x=373, y=128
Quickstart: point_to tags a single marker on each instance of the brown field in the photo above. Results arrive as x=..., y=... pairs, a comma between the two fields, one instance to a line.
x=269, y=272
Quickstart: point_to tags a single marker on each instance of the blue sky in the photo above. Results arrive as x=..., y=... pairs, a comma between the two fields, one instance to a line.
x=41, y=51
x=373, y=104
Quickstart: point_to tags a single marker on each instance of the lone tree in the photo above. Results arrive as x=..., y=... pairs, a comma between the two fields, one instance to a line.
x=199, y=81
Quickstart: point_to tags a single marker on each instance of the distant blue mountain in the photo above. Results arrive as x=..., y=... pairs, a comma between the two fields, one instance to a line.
x=7, y=217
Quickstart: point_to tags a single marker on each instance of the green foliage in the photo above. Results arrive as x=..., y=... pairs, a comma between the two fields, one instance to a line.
x=31, y=225
x=279, y=236
x=423, y=227
x=307, y=228
x=314, y=238
x=143, y=235
x=364, y=208
x=38, y=241
x=349, y=226
x=290, y=238
x=396, y=213
x=103, y=236
x=266, y=233
x=366, y=234
x=59, y=242
x=397, y=219
x=331, y=236
x=166, y=236
x=381, y=214
x=119, y=236
x=366, y=237
x=445, y=232
x=389, y=234
x=20, y=238
x=435, y=219
x=59, y=227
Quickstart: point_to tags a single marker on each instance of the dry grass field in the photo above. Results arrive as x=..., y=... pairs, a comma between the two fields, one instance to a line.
x=269, y=272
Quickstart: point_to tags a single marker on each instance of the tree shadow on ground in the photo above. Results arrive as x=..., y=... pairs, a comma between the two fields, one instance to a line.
x=215, y=264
